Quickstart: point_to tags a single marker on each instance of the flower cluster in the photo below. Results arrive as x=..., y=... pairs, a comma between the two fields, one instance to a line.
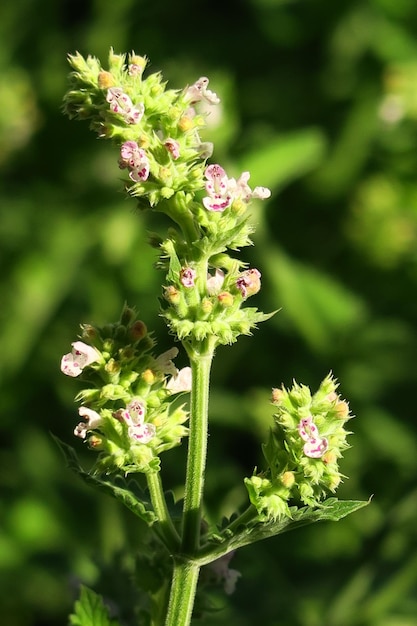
x=223, y=191
x=204, y=304
x=121, y=104
x=158, y=135
x=135, y=159
x=303, y=449
x=127, y=411
x=157, y=130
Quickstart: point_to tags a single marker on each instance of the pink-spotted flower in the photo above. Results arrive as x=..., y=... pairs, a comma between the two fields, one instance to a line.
x=249, y=282
x=92, y=421
x=135, y=159
x=180, y=382
x=173, y=147
x=198, y=91
x=240, y=189
x=82, y=355
x=315, y=446
x=121, y=104
x=217, y=187
x=187, y=277
x=134, y=416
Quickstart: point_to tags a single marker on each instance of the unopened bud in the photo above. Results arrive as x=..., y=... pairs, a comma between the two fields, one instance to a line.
x=185, y=123
x=148, y=377
x=165, y=175
x=238, y=206
x=334, y=482
x=277, y=396
x=172, y=294
x=95, y=442
x=342, y=410
x=88, y=331
x=136, y=64
x=288, y=479
x=127, y=316
x=225, y=299
x=138, y=330
x=112, y=367
x=206, y=306
x=105, y=80
x=329, y=457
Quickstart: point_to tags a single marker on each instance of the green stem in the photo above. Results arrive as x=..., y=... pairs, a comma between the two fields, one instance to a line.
x=197, y=451
x=165, y=528
x=184, y=585
x=186, y=572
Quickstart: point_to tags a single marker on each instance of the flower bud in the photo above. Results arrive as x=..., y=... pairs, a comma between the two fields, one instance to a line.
x=106, y=80
x=172, y=294
x=185, y=123
x=148, y=377
x=329, y=457
x=225, y=299
x=206, y=306
x=288, y=479
x=89, y=332
x=127, y=316
x=136, y=65
x=95, y=442
x=112, y=367
x=277, y=396
x=138, y=330
x=342, y=410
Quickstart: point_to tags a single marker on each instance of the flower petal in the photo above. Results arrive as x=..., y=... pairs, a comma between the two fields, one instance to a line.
x=181, y=381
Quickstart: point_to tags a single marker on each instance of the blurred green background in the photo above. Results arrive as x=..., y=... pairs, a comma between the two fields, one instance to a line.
x=319, y=101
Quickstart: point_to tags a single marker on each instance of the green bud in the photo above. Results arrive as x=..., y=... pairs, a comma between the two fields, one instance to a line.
x=225, y=299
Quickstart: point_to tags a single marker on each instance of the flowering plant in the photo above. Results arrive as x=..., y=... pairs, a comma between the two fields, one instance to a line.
x=130, y=402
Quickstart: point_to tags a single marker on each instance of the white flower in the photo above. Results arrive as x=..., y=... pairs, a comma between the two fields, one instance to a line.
x=181, y=381
x=134, y=416
x=198, y=91
x=214, y=283
x=73, y=363
x=164, y=361
x=93, y=420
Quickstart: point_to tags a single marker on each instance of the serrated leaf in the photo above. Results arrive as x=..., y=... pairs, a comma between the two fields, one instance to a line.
x=129, y=493
x=90, y=610
x=331, y=509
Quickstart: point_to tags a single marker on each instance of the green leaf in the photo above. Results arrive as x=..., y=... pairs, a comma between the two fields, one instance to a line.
x=286, y=157
x=127, y=492
x=90, y=610
x=321, y=308
x=331, y=509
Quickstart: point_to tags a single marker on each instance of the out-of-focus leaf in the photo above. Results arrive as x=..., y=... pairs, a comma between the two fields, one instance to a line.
x=285, y=158
x=40, y=281
x=319, y=307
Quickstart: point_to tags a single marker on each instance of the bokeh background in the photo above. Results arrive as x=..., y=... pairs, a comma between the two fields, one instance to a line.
x=319, y=101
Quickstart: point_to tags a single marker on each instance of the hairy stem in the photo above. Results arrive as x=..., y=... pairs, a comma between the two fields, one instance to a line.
x=165, y=529
x=181, y=602
x=197, y=451
x=186, y=572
